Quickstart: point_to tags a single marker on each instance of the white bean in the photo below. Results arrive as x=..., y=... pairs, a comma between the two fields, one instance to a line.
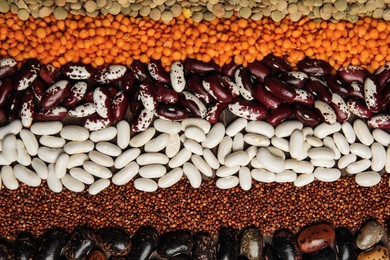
x=103, y=135
x=277, y=152
x=108, y=149
x=202, y=165
x=368, y=179
x=262, y=175
x=97, y=170
x=215, y=136
x=281, y=143
x=285, y=176
x=146, y=185
x=8, y=177
x=98, y=186
x=142, y=138
x=75, y=147
x=53, y=182
x=12, y=128
x=296, y=144
x=314, y=141
x=157, y=144
x=46, y=128
x=49, y=155
x=126, y=174
x=245, y=177
x=210, y=158
x=30, y=141
x=358, y=166
x=225, y=171
x=238, y=142
x=26, y=176
x=152, y=171
x=126, y=157
x=152, y=158
x=200, y=123
x=82, y=175
x=236, y=126
x=40, y=168
x=173, y=146
x=362, y=132
x=346, y=160
x=60, y=165
x=236, y=158
x=348, y=132
x=100, y=158
x=261, y=128
x=286, y=128
x=3, y=161
x=270, y=161
x=166, y=126
x=72, y=184
x=9, y=148
x=171, y=178
x=303, y=180
x=290, y=164
x=193, y=146
x=387, y=166
x=225, y=147
x=74, y=133
x=361, y=150
x=322, y=153
x=307, y=131
x=52, y=141
x=304, y=167
x=195, y=133
x=180, y=158
x=76, y=160
x=256, y=164
x=123, y=136
x=341, y=143
x=381, y=137
x=23, y=156
x=329, y=143
x=256, y=140
x=227, y=182
x=323, y=163
x=304, y=155
x=324, y=129
x=327, y=175
x=192, y=174
x=378, y=160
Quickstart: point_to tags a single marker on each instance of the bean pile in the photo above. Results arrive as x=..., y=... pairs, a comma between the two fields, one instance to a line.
x=166, y=10
x=120, y=40
x=315, y=241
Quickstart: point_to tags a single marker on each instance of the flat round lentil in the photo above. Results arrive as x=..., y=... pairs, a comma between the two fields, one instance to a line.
x=276, y=15
x=145, y=11
x=155, y=14
x=115, y=9
x=166, y=16
x=197, y=16
x=218, y=10
x=176, y=10
x=341, y=5
x=60, y=13
x=45, y=11
x=101, y=3
x=23, y=14
x=60, y=2
x=90, y=6
x=4, y=7
x=245, y=12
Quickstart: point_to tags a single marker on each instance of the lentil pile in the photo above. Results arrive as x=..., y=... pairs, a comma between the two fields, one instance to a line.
x=120, y=40
x=267, y=206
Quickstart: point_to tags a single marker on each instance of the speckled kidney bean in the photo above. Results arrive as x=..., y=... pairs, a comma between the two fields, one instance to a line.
x=306, y=115
x=172, y=112
x=315, y=237
x=49, y=74
x=200, y=67
x=319, y=89
x=147, y=94
x=39, y=88
x=265, y=97
x=128, y=81
x=83, y=110
x=353, y=73
x=295, y=78
x=215, y=88
x=340, y=108
x=120, y=103
x=51, y=114
x=110, y=74
x=52, y=243
x=385, y=96
x=77, y=92
x=381, y=121
x=359, y=108
x=88, y=97
x=27, y=74
x=279, y=114
x=8, y=66
x=165, y=94
x=134, y=100
x=55, y=94
x=280, y=89
x=102, y=102
x=112, y=90
x=230, y=84
x=276, y=63
x=142, y=121
x=14, y=106
x=303, y=97
x=383, y=74
x=77, y=71
x=95, y=122
x=372, y=94
x=229, y=69
x=6, y=88
x=157, y=72
x=357, y=90
x=259, y=70
x=243, y=80
x=214, y=112
x=194, y=84
x=140, y=70
x=314, y=67
x=338, y=87
x=246, y=109
x=191, y=106
x=27, y=111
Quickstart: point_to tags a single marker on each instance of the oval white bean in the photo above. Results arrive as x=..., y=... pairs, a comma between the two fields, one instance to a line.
x=126, y=157
x=97, y=170
x=227, y=182
x=341, y=143
x=12, y=128
x=146, y=185
x=152, y=158
x=303, y=180
x=304, y=167
x=348, y=132
x=277, y=152
x=100, y=158
x=72, y=184
x=166, y=126
x=362, y=132
x=82, y=175
x=9, y=148
x=180, y=158
x=281, y=143
x=225, y=171
x=8, y=177
x=123, y=136
x=361, y=150
x=30, y=141
x=171, y=178
x=215, y=136
x=358, y=166
x=210, y=158
x=98, y=186
x=46, y=128
x=49, y=155
x=26, y=176
x=245, y=178
x=329, y=143
x=323, y=129
x=157, y=144
x=108, y=149
x=381, y=137
x=195, y=133
x=269, y=161
x=173, y=146
x=236, y=158
x=23, y=156
x=236, y=126
x=60, y=165
x=202, y=165
x=378, y=160
x=225, y=147
x=296, y=144
x=327, y=175
x=238, y=142
x=193, y=146
x=256, y=140
x=262, y=175
x=53, y=182
x=74, y=133
x=142, y=138
x=192, y=174
x=314, y=141
x=323, y=163
x=152, y=171
x=40, y=168
x=368, y=179
x=261, y=128
x=200, y=123
x=76, y=160
x=346, y=160
x=285, y=176
x=286, y=128
x=322, y=153
x=126, y=174
x=387, y=165
x=52, y=141
x=103, y=135
x=75, y=147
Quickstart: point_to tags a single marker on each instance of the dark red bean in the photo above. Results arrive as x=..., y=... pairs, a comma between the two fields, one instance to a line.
x=3, y=117
x=276, y=63
x=102, y=102
x=158, y=73
x=110, y=74
x=6, y=88
x=27, y=74
x=214, y=112
x=303, y=97
x=140, y=70
x=49, y=74
x=230, y=84
x=120, y=103
x=27, y=111
x=112, y=90
x=306, y=115
x=39, y=88
x=8, y=66
x=357, y=90
x=243, y=80
x=55, y=94
x=372, y=94
x=246, y=109
x=279, y=114
x=77, y=92
x=142, y=121
x=148, y=95
x=191, y=106
x=199, y=109
x=295, y=78
x=14, y=105
x=353, y=73
x=200, y=67
x=77, y=71
x=383, y=74
x=265, y=97
x=314, y=67
x=386, y=96
x=128, y=81
x=259, y=70
x=135, y=101
x=280, y=89
x=52, y=114
x=194, y=84
x=95, y=122
x=340, y=108
x=229, y=69
x=165, y=94
x=88, y=97
x=358, y=107
x=172, y=112
x=319, y=89
x=215, y=88
x=381, y=121
x=338, y=87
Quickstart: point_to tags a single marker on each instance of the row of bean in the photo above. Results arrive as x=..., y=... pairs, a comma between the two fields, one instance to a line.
x=120, y=40
x=160, y=156
x=317, y=241
x=267, y=89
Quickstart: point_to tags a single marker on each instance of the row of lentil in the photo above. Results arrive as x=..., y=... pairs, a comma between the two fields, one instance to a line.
x=119, y=39
x=317, y=241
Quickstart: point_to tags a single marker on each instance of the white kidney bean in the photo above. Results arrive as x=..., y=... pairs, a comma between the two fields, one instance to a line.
x=40, y=168
x=146, y=185
x=277, y=152
x=225, y=171
x=227, y=182
x=362, y=132
x=281, y=143
x=3, y=161
x=210, y=158
x=26, y=176
x=126, y=157
x=23, y=157
x=303, y=180
x=60, y=165
x=12, y=128
x=381, y=137
x=361, y=150
x=97, y=170
x=262, y=175
x=324, y=129
x=236, y=158
x=74, y=133
x=348, y=132
x=123, y=136
x=180, y=158
x=198, y=122
x=285, y=176
x=368, y=179
x=225, y=147
x=8, y=177
x=166, y=126
x=46, y=128
x=296, y=144
x=98, y=186
x=103, y=135
x=30, y=141
x=304, y=167
x=173, y=146
x=314, y=141
x=215, y=136
x=329, y=143
x=261, y=128
x=238, y=142
x=270, y=161
x=100, y=158
x=9, y=148
x=108, y=149
x=75, y=147
x=256, y=140
x=76, y=160
x=236, y=126
x=171, y=178
x=378, y=160
x=152, y=158
x=323, y=163
x=53, y=182
x=341, y=143
x=307, y=131
x=245, y=178
x=305, y=151
x=256, y=164
x=286, y=128
x=195, y=133
x=251, y=151
x=327, y=175
x=52, y=141
x=321, y=153
x=126, y=174
x=49, y=155
x=142, y=138
x=358, y=166
x=192, y=174
x=157, y=144
x=290, y=164
x=81, y=175
x=72, y=184
x=346, y=160
x=387, y=165
x=202, y=165
x=193, y=146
